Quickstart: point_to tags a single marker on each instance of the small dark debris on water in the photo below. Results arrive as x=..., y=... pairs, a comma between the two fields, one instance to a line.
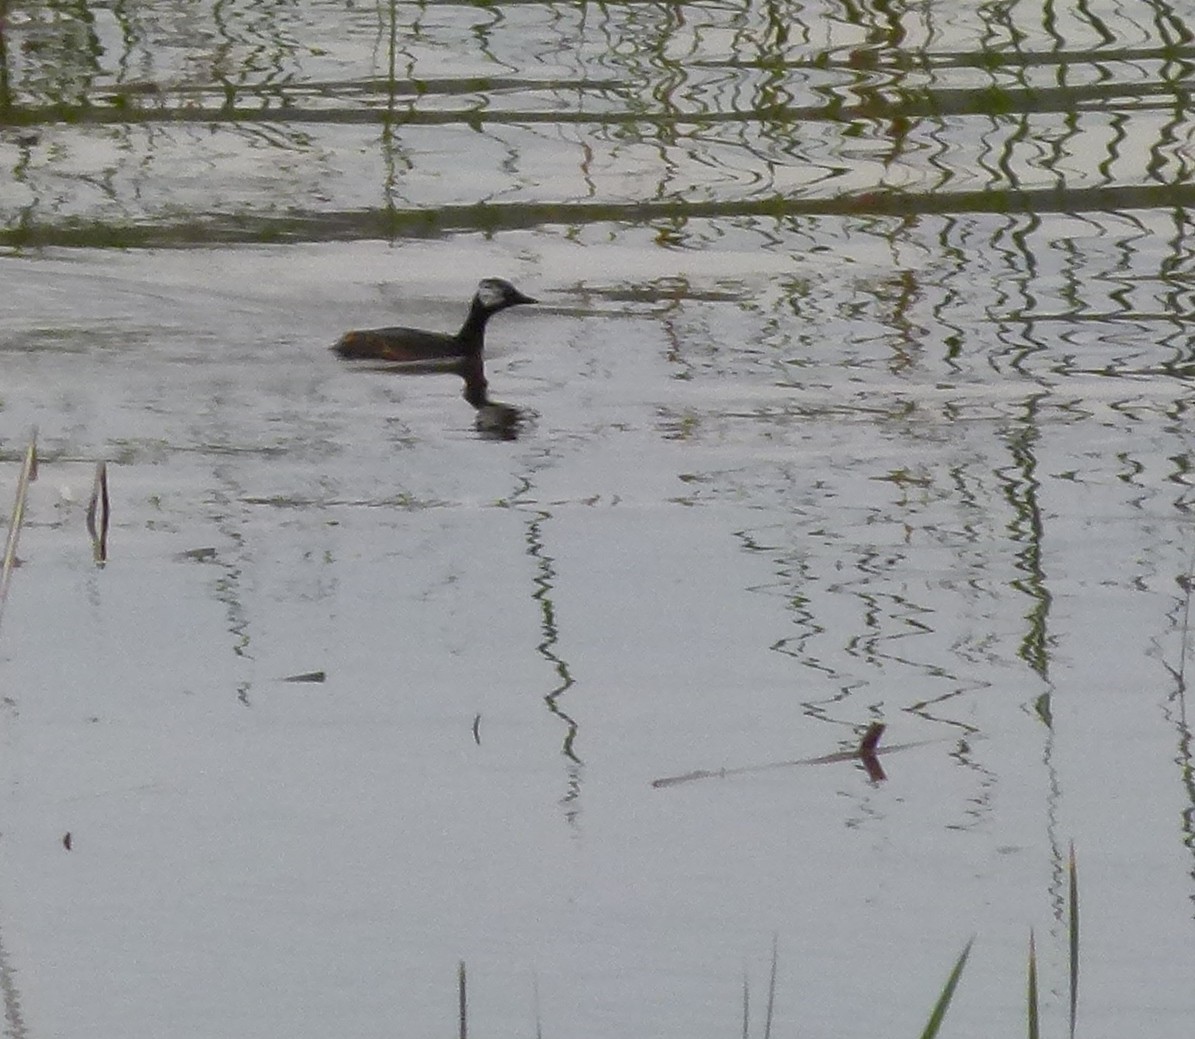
x=66, y=840
x=307, y=676
x=477, y=729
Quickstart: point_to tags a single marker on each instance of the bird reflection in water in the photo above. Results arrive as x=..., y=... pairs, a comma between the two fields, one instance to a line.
x=415, y=350
x=494, y=420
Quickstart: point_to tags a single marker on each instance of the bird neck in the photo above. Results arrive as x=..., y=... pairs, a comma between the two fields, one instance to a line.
x=473, y=330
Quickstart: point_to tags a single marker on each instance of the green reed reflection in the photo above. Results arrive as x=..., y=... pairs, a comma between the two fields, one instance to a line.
x=575, y=115
x=1027, y=530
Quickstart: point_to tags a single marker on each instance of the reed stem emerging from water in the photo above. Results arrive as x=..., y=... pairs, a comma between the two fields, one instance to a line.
x=1074, y=928
x=97, y=514
x=28, y=475
x=943, y=1004
x=462, y=1000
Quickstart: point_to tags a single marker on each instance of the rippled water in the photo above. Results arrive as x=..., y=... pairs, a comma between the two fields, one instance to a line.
x=862, y=384
x=158, y=124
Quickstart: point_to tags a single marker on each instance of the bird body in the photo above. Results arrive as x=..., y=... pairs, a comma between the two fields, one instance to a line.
x=420, y=350
x=402, y=344
x=398, y=344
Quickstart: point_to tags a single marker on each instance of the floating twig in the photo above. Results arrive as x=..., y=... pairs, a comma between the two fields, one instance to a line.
x=866, y=753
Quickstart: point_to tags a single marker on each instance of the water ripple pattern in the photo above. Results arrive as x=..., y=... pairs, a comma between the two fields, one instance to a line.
x=312, y=122
x=860, y=391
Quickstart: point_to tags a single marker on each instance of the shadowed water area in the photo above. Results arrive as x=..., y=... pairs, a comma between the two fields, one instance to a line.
x=858, y=391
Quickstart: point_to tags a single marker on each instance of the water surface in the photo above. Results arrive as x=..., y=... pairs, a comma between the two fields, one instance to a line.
x=862, y=377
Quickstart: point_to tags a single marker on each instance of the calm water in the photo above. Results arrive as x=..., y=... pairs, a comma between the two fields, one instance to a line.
x=863, y=383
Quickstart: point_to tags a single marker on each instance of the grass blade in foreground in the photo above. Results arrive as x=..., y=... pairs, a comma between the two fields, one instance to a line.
x=767, y=1027
x=1032, y=998
x=539, y=1024
x=462, y=1000
x=1074, y=893
x=935, y=1019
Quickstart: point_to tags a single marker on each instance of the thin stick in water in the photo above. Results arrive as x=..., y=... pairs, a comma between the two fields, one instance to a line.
x=867, y=752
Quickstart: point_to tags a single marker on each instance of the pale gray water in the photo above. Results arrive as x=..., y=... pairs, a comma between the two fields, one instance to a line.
x=791, y=473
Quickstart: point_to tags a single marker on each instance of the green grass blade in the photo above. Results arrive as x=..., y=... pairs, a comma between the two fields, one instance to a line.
x=1032, y=1000
x=935, y=1019
x=746, y=1006
x=767, y=1026
x=462, y=1000
x=1074, y=900
x=539, y=1023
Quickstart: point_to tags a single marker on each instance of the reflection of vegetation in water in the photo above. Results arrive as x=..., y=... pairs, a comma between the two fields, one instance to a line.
x=544, y=583
x=1027, y=530
x=256, y=50
x=58, y=58
x=1181, y=617
x=584, y=114
x=491, y=218
x=5, y=83
x=394, y=160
